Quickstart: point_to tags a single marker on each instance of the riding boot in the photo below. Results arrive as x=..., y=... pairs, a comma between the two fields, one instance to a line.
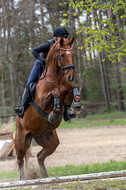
x=19, y=110
x=68, y=113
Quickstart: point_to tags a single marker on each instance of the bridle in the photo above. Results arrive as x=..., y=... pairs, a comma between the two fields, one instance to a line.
x=63, y=68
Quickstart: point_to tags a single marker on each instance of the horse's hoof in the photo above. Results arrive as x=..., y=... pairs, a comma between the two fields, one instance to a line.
x=52, y=118
x=77, y=107
x=69, y=114
x=19, y=110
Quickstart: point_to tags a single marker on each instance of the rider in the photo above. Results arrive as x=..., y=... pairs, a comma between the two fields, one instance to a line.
x=40, y=53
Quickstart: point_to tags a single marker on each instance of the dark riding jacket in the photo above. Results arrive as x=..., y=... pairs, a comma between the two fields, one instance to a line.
x=42, y=50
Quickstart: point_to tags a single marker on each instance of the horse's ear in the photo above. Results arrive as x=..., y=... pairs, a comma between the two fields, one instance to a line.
x=61, y=42
x=72, y=40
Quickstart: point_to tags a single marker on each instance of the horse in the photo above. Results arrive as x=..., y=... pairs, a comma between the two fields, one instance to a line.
x=53, y=91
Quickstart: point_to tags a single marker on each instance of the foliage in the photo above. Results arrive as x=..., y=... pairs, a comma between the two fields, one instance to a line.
x=101, y=24
x=108, y=29
x=93, y=88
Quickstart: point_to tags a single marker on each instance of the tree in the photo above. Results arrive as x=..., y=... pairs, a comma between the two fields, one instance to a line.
x=99, y=39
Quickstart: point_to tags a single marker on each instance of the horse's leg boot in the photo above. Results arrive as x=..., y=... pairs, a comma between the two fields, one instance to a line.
x=56, y=104
x=76, y=104
x=19, y=110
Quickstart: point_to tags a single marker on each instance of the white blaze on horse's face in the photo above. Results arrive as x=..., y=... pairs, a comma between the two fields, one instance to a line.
x=69, y=58
x=67, y=52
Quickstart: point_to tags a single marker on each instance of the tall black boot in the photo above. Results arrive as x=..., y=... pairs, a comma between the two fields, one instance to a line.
x=19, y=110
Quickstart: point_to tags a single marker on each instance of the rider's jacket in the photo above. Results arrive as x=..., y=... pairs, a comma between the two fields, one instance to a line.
x=42, y=50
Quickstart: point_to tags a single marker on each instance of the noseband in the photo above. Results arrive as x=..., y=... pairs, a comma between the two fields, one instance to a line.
x=68, y=67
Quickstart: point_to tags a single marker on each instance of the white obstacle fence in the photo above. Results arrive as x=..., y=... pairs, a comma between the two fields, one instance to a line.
x=113, y=175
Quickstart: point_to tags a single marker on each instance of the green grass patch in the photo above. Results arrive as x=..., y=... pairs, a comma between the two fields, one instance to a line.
x=77, y=170
x=107, y=115
x=99, y=119
x=72, y=170
x=99, y=185
x=86, y=169
x=11, y=175
x=78, y=123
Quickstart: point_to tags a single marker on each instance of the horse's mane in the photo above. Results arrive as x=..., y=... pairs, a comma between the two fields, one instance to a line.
x=51, y=54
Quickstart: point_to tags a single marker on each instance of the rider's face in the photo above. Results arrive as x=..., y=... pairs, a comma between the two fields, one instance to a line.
x=58, y=38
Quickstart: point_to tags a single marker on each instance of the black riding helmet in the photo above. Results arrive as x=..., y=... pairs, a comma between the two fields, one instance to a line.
x=60, y=32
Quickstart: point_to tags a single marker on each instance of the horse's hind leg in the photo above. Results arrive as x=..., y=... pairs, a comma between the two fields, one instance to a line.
x=22, y=143
x=49, y=142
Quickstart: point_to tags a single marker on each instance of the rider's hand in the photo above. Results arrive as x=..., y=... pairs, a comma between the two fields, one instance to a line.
x=42, y=61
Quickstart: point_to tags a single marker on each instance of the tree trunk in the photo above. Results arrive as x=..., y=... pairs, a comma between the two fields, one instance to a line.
x=116, y=66
x=104, y=81
x=119, y=87
x=102, y=64
x=42, y=20
x=3, y=95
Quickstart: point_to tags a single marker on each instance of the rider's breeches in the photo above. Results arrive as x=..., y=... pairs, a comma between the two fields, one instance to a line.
x=35, y=73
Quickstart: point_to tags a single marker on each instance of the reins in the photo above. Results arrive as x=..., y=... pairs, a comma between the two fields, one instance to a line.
x=69, y=67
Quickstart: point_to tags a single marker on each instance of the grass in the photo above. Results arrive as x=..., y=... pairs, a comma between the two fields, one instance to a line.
x=9, y=175
x=100, y=119
x=71, y=170
x=105, y=114
x=92, y=123
x=106, y=185
x=76, y=170
x=86, y=169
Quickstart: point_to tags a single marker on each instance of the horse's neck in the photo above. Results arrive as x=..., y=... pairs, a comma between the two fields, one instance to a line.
x=51, y=59
x=52, y=69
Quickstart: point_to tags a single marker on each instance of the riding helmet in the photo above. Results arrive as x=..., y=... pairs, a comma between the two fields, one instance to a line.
x=60, y=32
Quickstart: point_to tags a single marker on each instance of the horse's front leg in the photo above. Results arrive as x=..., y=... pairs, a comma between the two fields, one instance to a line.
x=72, y=95
x=76, y=97
x=53, y=98
x=57, y=112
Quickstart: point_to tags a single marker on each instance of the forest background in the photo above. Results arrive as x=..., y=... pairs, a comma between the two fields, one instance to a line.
x=99, y=27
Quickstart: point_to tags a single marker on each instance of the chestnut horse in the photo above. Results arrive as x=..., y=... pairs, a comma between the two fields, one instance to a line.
x=54, y=86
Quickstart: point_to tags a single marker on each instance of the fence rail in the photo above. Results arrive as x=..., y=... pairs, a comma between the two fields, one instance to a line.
x=113, y=175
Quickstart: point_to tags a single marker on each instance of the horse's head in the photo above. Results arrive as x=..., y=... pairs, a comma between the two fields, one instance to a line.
x=65, y=57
